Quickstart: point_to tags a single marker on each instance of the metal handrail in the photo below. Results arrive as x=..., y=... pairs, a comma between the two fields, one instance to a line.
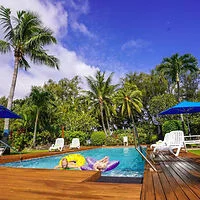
x=10, y=148
x=144, y=157
x=138, y=147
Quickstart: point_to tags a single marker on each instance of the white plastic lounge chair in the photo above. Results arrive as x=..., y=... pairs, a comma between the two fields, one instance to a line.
x=75, y=143
x=2, y=149
x=175, y=140
x=160, y=142
x=125, y=140
x=59, y=144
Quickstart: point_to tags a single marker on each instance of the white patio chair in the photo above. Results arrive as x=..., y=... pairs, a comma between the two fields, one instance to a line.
x=75, y=143
x=161, y=142
x=2, y=149
x=175, y=141
x=125, y=141
x=59, y=145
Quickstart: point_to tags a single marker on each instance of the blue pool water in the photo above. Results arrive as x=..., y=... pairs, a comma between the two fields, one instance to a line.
x=131, y=163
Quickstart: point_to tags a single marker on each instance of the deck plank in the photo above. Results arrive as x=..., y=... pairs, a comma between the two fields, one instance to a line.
x=149, y=186
x=167, y=189
x=159, y=193
x=173, y=184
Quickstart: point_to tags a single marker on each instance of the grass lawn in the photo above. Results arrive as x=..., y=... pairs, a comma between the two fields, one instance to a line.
x=197, y=152
x=25, y=151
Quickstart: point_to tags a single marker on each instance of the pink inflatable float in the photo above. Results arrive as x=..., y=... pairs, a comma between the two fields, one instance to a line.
x=91, y=161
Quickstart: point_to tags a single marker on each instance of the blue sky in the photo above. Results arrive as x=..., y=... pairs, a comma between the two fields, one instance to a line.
x=119, y=36
x=134, y=35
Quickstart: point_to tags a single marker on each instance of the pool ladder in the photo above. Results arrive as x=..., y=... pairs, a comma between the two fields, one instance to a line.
x=5, y=146
x=139, y=149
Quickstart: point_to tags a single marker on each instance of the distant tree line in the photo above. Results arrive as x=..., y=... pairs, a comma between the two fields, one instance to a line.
x=106, y=111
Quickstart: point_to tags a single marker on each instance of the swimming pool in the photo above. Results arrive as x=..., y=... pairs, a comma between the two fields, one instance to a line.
x=131, y=163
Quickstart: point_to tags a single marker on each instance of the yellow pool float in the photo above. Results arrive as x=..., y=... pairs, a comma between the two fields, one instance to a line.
x=77, y=158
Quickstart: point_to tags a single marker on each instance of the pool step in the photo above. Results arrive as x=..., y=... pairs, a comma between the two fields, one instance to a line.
x=111, y=179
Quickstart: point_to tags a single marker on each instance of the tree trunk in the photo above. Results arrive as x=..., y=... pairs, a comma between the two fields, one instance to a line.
x=11, y=94
x=137, y=140
x=179, y=100
x=35, y=128
x=108, y=125
x=102, y=119
x=178, y=87
x=9, y=105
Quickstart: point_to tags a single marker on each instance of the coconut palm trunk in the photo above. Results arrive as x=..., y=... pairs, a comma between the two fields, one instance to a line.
x=179, y=100
x=102, y=118
x=108, y=125
x=35, y=127
x=135, y=133
x=11, y=94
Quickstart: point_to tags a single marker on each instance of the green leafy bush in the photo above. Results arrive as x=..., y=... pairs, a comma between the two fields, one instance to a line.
x=98, y=138
x=43, y=138
x=153, y=138
x=143, y=138
x=69, y=135
x=171, y=125
x=111, y=141
x=21, y=140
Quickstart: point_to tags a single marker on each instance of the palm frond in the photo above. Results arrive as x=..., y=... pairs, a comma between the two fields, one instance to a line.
x=4, y=46
x=23, y=63
x=39, y=56
x=5, y=21
x=40, y=39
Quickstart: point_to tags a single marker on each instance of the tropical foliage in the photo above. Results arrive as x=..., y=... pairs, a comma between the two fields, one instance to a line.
x=105, y=112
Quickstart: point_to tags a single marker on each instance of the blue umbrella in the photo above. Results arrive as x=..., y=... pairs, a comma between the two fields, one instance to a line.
x=6, y=113
x=182, y=108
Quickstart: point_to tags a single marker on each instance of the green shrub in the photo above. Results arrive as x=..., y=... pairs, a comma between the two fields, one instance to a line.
x=143, y=138
x=111, y=141
x=21, y=140
x=43, y=138
x=69, y=135
x=153, y=138
x=171, y=125
x=98, y=138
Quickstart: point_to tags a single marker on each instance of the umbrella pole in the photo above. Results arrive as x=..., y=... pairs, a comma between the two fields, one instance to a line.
x=188, y=125
x=182, y=121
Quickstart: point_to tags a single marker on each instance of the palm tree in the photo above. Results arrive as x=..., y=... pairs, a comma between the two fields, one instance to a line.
x=100, y=94
x=175, y=66
x=129, y=100
x=25, y=36
x=39, y=98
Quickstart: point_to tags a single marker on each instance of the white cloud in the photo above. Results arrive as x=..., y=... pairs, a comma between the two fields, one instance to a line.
x=75, y=11
x=55, y=17
x=52, y=15
x=135, y=44
x=82, y=28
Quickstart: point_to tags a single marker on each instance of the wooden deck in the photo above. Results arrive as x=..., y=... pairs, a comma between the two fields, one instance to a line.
x=58, y=184
x=177, y=178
